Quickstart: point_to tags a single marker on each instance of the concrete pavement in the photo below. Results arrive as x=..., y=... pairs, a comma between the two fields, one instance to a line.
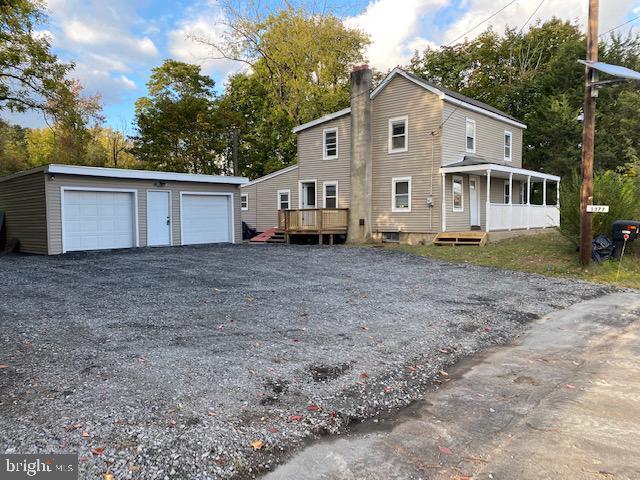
x=562, y=403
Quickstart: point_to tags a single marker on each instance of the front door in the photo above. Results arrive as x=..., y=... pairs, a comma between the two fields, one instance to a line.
x=474, y=202
x=309, y=195
x=158, y=219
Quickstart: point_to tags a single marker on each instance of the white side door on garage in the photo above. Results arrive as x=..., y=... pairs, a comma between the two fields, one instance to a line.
x=205, y=218
x=98, y=219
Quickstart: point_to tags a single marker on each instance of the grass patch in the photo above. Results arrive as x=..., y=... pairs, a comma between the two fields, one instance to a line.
x=548, y=254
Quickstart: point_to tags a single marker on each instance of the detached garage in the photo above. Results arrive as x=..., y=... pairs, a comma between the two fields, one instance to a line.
x=62, y=208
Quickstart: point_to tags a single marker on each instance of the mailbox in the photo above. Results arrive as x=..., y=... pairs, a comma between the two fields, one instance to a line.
x=623, y=230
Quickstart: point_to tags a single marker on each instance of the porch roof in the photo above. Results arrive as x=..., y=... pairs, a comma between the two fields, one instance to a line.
x=477, y=166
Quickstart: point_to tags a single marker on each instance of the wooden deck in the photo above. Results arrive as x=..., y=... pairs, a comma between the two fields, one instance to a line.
x=461, y=238
x=314, y=221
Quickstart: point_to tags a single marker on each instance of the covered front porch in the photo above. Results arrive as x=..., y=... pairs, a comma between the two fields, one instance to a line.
x=494, y=197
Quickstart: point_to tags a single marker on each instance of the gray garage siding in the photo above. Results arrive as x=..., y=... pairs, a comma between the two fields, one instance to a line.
x=22, y=198
x=141, y=186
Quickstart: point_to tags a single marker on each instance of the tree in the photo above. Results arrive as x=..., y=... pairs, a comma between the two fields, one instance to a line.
x=13, y=149
x=30, y=75
x=535, y=76
x=178, y=124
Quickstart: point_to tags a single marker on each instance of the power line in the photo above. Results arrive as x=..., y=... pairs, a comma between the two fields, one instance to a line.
x=481, y=23
x=621, y=25
x=531, y=16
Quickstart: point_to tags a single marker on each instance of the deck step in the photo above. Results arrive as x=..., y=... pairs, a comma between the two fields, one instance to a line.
x=461, y=238
x=271, y=235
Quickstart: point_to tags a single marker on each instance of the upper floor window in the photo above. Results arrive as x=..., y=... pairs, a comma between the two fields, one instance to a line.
x=284, y=199
x=401, y=194
x=457, y=192
x=470, y=144
x=398, y=135
x=329, y=143
x=244, y=201
x=508, y=140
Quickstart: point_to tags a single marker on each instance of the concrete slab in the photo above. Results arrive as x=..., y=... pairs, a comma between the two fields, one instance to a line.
x=564, y=402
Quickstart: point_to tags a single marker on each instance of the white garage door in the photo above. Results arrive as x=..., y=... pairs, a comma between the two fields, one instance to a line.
x=205, y=219
x=98, y=220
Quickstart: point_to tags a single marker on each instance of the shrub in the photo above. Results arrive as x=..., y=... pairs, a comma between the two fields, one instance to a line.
x=620, y=192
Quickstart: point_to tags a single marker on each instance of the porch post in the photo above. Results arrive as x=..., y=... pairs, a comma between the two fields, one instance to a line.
x=510, y=200
x=528, y=202
x=558, y=194
x=544, y=201
x=443, y=197
x=488, y=212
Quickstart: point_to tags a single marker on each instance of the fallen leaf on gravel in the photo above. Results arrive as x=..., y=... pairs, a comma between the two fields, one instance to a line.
x=85, y=434
x=424, y=466
x=445, y=450
x=97, y=451
x=364, y=327
x=445, y=350
x=257, y=444
x=568, y=385
x=364, y=375
x=219, y=461
x=211, y=413
x=313, y=408
x=273, y=430
x=4, y=366
x=250, y=299
x=295, y=418
x=107, y=476
x=172, y=423
x=387, y=389
x=70, y=427
x=488, y=329
x=443, y=373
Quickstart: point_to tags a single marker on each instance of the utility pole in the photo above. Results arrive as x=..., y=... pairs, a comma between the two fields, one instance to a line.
x=588, y=136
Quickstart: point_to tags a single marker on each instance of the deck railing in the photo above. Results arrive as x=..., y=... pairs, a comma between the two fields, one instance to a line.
x=314, y=220
x=519, y=216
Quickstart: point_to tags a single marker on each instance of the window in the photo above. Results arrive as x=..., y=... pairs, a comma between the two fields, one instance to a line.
x=471, y=136
x=284, y=197
x=330, y=195
x=458, y=194
x=391, y=237
x=401, y=194
x=508, y=139
x=244, y=201
x=507, y=192
x=398, y=136
x=330, y=143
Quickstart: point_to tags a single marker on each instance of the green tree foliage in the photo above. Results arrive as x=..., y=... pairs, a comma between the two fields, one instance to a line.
x=299, y=70
x=179, y=125
x=535, y=76
x=620, y=192
x=30, y=75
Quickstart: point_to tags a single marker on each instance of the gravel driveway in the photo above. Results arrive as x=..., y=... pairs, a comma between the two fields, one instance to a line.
x=175, y=361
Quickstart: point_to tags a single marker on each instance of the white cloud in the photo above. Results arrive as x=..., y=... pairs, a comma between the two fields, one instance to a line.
x=394, y=29
x=127, y=82
x=209, y=25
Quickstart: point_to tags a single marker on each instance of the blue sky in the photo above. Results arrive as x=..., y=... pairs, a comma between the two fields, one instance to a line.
x=116, y=43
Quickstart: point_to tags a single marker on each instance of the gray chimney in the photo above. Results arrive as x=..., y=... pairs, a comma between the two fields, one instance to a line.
x=360, y=203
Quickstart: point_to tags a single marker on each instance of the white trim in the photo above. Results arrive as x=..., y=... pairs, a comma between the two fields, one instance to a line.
x=300, y=182
x=478, y=182
x=453, y=203
x=322, y=119
x=507, y=133
x=324, y=193
x=288, y=169
x=232, y=222
x=97, y=189
x=481, y=110
x=244, y=209
x=468, y=120
x=142, y=174
x=405, y=119
x=399, y=71
x=288, y=192
x=443, y=207
x=395, y=180
x=170, y=216
x=324, y=144
x=498, y=168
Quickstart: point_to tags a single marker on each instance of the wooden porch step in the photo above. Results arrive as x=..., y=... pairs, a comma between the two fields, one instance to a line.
x=461, y=238
x=271, y=235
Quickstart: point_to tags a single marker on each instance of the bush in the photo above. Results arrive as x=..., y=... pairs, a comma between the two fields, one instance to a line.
x=620, y=192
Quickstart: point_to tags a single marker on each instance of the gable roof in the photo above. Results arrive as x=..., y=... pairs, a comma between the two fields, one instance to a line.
x=271, y=175
x=444, y=94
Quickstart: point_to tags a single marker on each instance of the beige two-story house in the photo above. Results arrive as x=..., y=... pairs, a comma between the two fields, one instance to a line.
x=406, y=161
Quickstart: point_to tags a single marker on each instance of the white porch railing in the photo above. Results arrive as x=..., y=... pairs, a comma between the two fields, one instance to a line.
x=517, y=216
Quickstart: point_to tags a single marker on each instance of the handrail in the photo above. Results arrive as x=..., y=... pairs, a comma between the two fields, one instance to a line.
x=313, y=219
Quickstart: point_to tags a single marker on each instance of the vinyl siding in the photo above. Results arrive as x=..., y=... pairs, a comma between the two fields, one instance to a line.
x=22, y=199
x=424, y=110
x=263, y=199
x=141, y=186
x=489, y=137
x=312, y=166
